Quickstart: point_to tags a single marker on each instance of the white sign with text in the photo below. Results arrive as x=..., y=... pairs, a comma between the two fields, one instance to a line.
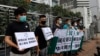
x=64, y=40
x=47, y=33
x=26, y=40
x=68, y=40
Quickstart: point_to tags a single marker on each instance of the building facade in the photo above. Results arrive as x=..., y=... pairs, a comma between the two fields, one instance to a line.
x=84, y=8
x=47, y=2
x=95, y=10
x=68, y=4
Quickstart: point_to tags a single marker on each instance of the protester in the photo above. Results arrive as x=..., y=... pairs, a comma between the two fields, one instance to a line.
x=57, y=24
x=81, y=31
x=79, y=23
x=74, y=25
x=19, y=25
x=42, y=48
x=67, y=24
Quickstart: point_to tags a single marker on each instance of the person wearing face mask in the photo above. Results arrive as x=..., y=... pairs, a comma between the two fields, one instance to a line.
x=67, y=24
x=79, y=23
x=74, y=25
x=57, y=24
x=42, y=48
x=19, y=25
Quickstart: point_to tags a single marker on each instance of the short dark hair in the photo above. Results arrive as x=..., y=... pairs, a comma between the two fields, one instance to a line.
x=81, y=27
x=67, y=20
x=72, y=23
x=41, y=16
x=57, y=18
x=19, y=10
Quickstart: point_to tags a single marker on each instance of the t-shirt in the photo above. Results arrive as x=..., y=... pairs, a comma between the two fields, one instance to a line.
x=17, y=27
x=56, y=27
x=66, y=26
x=41, y=39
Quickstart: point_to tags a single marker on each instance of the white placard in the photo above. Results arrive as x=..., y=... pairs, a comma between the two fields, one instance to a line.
x=68, y=40
x=77, y=38
x=25, y=40
x=64, y=40
x=47, y=33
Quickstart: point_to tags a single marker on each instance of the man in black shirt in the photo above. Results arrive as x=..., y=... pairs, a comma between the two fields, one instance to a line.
x=42, y=49
x=19, y=25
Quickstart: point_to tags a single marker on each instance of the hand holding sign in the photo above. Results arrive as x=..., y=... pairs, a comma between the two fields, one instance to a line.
x=21, y=49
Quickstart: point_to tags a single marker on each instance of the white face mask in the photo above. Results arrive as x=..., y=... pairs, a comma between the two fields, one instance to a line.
x=75, y=24
x=69, y=23
x=60, y=21
x=80, y=22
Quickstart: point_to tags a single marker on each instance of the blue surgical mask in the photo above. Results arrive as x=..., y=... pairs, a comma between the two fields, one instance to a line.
x=22, y=18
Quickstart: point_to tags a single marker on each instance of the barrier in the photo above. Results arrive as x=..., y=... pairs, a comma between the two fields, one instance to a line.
x=4, y=49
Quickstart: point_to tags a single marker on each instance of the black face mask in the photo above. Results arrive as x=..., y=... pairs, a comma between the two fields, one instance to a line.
x=43, y=22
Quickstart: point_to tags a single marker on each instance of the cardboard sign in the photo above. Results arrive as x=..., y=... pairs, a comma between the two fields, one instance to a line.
x=25, y=40
x=47, y=33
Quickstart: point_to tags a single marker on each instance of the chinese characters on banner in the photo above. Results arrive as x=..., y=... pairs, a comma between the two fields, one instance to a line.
x=25, y=40
x=77, y=37
x=67, y=40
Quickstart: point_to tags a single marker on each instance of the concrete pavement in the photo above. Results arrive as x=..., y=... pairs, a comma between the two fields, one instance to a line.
x=89, y=47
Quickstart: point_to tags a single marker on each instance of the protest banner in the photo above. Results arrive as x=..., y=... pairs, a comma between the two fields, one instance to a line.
x=77, y=38
x=25, y=40
x=68, y=40
x=47, y=33
x=64, y=40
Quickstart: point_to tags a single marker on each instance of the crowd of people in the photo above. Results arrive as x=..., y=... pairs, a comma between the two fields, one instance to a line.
x=21, y=25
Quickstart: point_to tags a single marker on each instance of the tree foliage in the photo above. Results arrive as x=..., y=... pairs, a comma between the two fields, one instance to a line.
x=42, y=8
x=19, y=3
x=60, y=11
x=16, y=3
